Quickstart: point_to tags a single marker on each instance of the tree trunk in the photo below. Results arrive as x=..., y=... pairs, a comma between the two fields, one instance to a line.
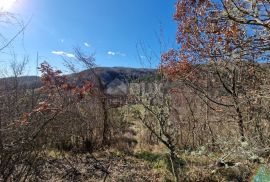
x=174, y=165
x=106, y=129
x=240, y=124
x=1, y=141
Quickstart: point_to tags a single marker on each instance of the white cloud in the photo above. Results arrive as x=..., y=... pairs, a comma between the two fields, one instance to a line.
x=121, y=54
x=86, y=44
x=112, y=53
x=62, y=53
x=142, y=57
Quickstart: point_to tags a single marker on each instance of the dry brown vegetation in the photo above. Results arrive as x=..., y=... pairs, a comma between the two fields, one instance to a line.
x=204, y=116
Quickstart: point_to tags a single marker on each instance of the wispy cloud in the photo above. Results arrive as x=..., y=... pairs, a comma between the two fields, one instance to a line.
x=62, y=53
x=86, y=44
x=121, y=54
x=112, y=53
x=62, y=40
x=142, y=57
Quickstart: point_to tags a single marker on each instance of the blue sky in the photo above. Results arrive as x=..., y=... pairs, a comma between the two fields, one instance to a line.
x=109, y=28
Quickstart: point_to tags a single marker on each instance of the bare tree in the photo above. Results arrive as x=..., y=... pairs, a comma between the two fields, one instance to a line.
x=87, y=62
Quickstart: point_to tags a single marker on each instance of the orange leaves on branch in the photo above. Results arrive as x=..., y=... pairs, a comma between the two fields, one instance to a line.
x=174, y=70
x=80, y=92
x=174, y=65
x=51, y=77
x=87, y=86
x=56, y=89
x=55, y=82
x=42, y=107
x=25, y=118
x=203, y=33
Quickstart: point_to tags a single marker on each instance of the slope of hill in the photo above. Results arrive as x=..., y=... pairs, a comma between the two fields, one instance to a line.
x=114, y=79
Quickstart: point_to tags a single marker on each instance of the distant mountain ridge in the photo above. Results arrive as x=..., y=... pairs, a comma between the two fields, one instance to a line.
x=109, y=74
x=114, y=79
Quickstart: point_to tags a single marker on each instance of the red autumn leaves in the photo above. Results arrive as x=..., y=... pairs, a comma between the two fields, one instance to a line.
x=55, y=85
x=203, y=35
x=54, y=81
x=173, y=66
